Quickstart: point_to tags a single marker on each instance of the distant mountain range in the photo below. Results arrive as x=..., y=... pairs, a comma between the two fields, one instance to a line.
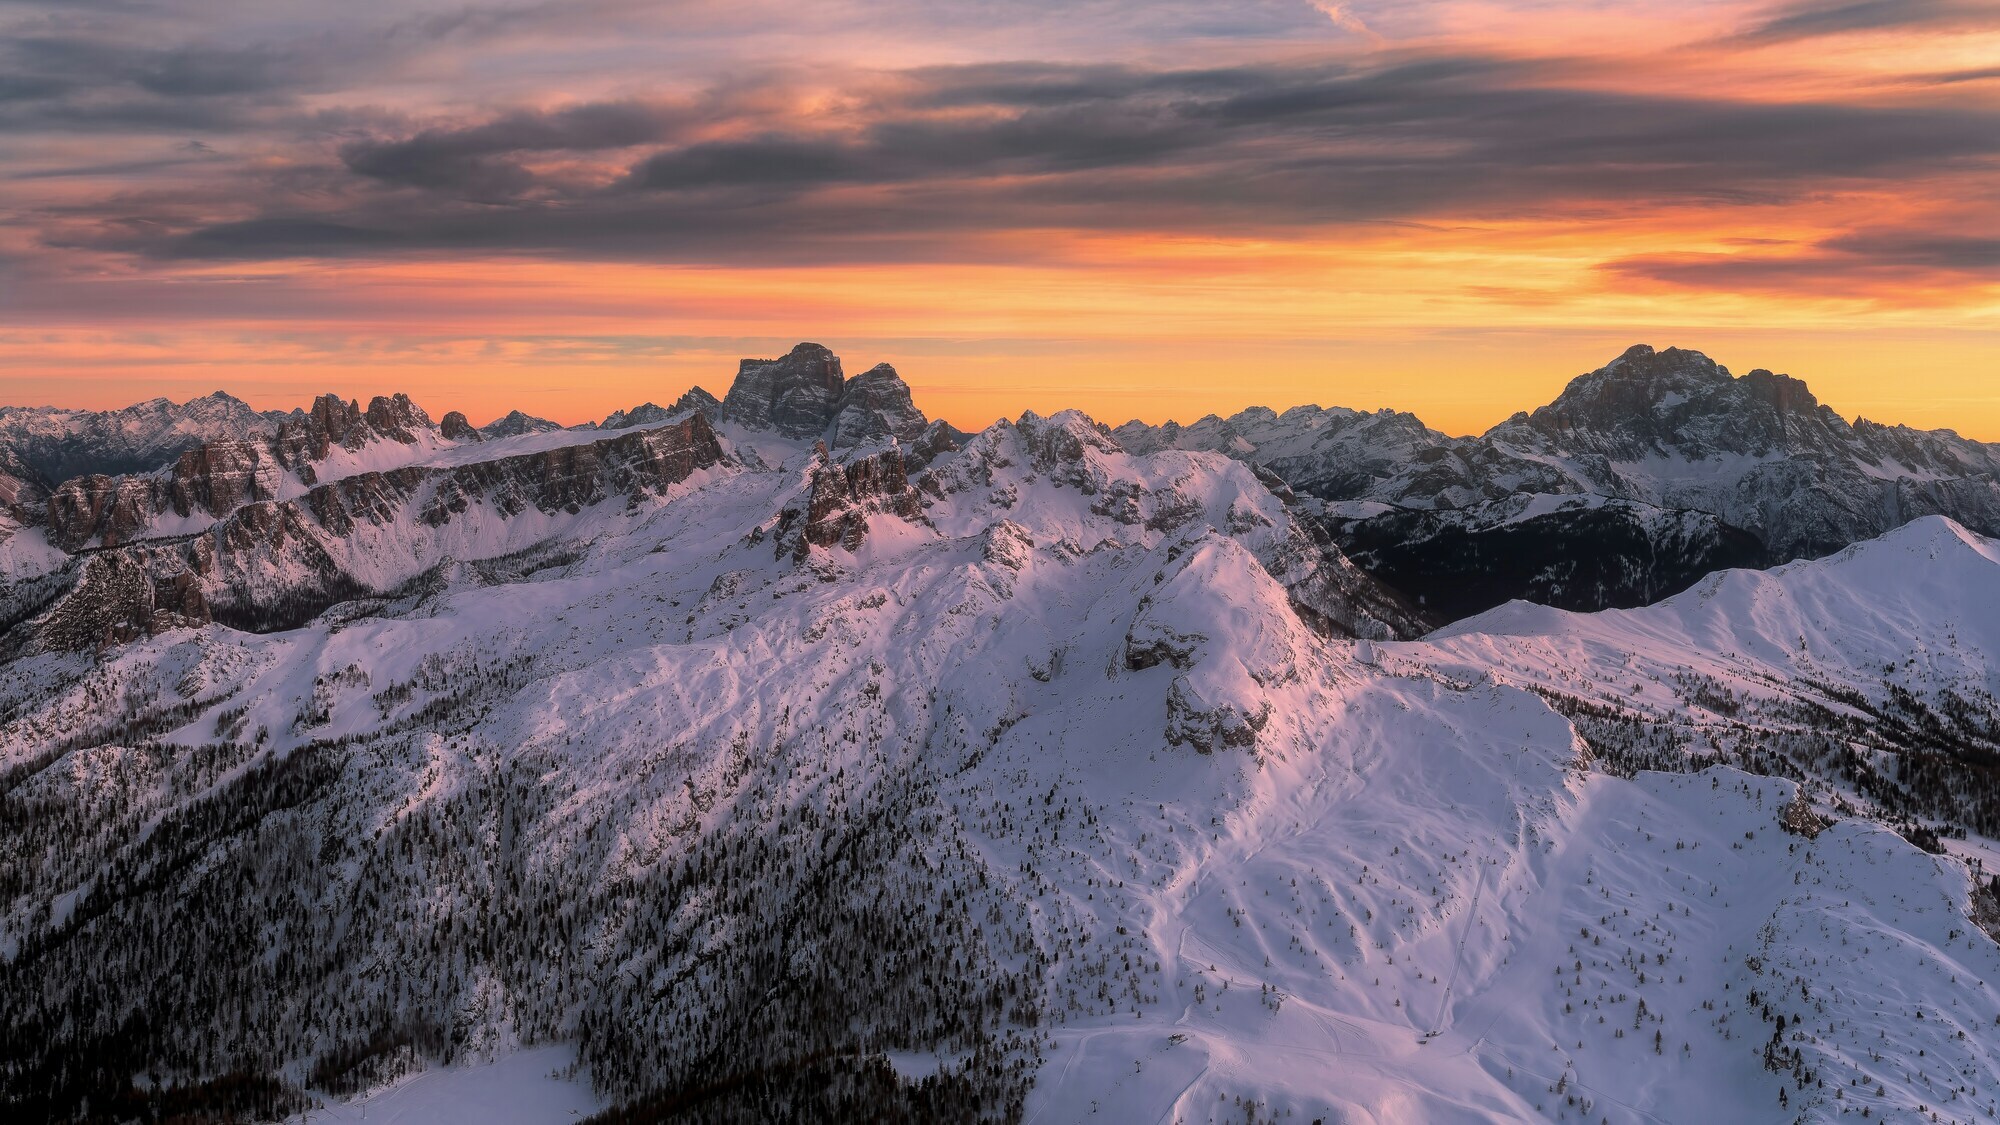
x=1640, y=478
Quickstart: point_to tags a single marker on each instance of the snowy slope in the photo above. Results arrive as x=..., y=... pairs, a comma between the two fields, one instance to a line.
x=1047, y=783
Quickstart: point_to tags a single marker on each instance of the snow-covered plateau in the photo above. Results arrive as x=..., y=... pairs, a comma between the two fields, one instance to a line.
x=791, y=757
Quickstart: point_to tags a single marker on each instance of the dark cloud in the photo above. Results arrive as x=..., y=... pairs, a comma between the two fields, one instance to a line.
x=1953, y=77
x=75, y=64
x=477, y=160
x=1854, y=264
x=917, y=164
x=1929, y=250
x=1815, y=19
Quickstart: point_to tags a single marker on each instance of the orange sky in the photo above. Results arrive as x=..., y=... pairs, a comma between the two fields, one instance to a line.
x=1449, y=209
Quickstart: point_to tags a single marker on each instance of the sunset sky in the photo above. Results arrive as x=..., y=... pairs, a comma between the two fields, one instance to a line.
x=1147, y=210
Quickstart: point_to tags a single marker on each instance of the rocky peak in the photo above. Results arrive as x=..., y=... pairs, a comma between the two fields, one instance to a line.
x=1062, y=439
x=1641, y=361
x=1680, y=403
x=804, y=395
x=875, y=406
x=1781, y=392
x=340, y=422
x=221, y=476
x=839, y=498
x=52, y=444
x=397, y=418
x=307, y=436
x=457, y=427
x=696, y=398
x=797, y=395
x=937, y=439
x=644, y=414
x=515, y=423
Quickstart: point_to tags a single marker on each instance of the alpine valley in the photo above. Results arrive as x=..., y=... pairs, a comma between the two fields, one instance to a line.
x=792, y=756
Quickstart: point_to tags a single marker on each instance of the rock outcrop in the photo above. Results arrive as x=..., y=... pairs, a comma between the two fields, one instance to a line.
x=276, y=563
x=803, y=395
x=796, y=395
x=455, y=426
x=873, y=407
x=840, y=497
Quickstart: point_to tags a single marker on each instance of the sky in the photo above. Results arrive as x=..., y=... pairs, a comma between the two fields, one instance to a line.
x=1154, y=210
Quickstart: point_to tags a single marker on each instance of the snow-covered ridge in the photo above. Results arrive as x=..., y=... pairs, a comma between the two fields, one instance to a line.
x=1088, y=756
x=1043, y=766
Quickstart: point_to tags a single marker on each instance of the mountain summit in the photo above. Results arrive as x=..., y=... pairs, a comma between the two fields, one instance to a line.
x=1638, y=479
x=804, y=395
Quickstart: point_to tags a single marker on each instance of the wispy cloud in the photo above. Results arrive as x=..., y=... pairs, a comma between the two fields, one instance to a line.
x=1818, y=18
x=913, y=163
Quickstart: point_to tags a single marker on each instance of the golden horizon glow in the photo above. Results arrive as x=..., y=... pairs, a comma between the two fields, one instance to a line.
x=1402, y=258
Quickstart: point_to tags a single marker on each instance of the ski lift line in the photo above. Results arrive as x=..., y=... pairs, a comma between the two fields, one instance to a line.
x=1458, y=959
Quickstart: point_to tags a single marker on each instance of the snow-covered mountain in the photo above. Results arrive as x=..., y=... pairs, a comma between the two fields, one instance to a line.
x=1334, y=453
x=734, y=771
x=1708, y=470
x=53, y=445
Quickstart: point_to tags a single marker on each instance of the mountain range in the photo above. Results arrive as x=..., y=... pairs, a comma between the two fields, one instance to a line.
x=1639, y=478
x=790, y=755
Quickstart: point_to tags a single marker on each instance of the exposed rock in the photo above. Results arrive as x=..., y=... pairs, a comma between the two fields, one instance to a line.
x=1332, y=453
x=275, y=564
x=1330, y=594
x=839, y=498
x=457, y=427
x=116, y=600
x=874, y=407
x=795, y=396
x=1208, y=727
x=397, y=418
x=1705, y=470
x=937, y=439
x=222, y=476
x=46, y=445
x=1798, y=817
x=572, y=477
x=97, y=507
x=644, y=414
x=1007, y=544
x=515, y=423
x=695, y=398
x=308, y=435
x=1674, y=429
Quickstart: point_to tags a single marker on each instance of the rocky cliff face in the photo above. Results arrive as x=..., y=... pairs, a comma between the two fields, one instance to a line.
x=310, y=434
x=804, y=396
x=873, y=407
x=217, y=477
x=455, y=426
x=1176, y=494
x=274, y=564
x=840, y=497
x=796, y=395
